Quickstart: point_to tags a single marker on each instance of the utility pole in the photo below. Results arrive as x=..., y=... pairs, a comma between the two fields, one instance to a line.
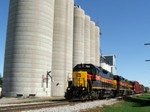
x=147, y=44
x=147, y=60
x=0, y=80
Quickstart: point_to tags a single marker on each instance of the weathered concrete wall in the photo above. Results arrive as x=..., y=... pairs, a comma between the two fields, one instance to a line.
x=28, y=48
x=78, y=36
x=92, y=42
x=87, y=40
x=97, y=46
x=62, y=45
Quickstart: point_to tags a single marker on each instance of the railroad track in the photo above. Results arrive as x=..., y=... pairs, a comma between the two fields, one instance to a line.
x=31, y=106
x=18, y=108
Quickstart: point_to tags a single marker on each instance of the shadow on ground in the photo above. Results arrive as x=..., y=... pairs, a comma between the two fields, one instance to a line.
x=138, y=102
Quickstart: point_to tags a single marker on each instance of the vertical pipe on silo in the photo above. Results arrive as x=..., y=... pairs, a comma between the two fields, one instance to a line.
x=92, y=42
x=97, y=46
x=87, y=40
x=28, y=48
x=78, y=36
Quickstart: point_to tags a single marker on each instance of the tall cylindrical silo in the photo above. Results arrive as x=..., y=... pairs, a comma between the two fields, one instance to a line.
x=78, y=36
x=28, y=48
x=97, y=46
x=92, y=42
x=69, y=39
x=87, y=40
x=62, y=45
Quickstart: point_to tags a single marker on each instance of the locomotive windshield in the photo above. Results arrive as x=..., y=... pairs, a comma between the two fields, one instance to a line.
x=89, y=68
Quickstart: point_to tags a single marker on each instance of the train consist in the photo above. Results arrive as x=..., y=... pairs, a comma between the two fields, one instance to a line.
x=91, y=82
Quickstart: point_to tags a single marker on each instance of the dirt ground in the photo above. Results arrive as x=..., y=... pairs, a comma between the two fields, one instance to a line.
x=5, y=101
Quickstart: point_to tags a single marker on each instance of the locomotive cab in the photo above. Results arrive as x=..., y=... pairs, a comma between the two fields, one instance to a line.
x=82, y=74
x=81, y=83
x=116, y=82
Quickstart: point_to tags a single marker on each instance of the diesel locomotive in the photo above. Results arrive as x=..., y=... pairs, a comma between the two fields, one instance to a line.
x=91, y=82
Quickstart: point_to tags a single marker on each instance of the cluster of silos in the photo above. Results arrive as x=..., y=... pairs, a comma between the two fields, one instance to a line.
x=39, y=40
x=28, y=48
x=86, y=39
x=43, y=36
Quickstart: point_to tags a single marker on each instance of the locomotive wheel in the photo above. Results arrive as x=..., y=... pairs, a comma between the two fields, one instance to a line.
x=83, y=97
x=90, y=97
x=101, y=94
x=67, y=96
x=95, y=95
x=111, y=94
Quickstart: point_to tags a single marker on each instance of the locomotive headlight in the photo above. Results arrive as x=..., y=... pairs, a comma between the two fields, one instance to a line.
x=83, y=88
x=68, y=88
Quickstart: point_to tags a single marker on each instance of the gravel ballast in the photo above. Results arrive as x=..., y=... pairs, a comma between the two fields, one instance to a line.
x=77, y=107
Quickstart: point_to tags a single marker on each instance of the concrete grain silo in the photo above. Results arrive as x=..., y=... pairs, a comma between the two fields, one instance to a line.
x=69, y=40
x=28, y=48
x=62, y=45
x=78, y=37
x=97, y=46
x=92, y=42
x=87, y=40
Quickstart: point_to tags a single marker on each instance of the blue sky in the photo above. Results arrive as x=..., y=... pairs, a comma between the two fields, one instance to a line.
x=125, y=27
x=4, y=6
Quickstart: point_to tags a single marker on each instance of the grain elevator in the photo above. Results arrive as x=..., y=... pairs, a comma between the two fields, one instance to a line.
x=45, y=40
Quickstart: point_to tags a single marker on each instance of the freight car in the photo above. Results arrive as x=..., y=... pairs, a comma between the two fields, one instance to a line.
x=93, y=82
x=136, y=87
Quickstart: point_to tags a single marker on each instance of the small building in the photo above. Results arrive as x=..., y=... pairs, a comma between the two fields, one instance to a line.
x=108, y=62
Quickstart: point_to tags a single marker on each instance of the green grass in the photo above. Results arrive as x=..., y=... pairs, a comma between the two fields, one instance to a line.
x=135, y=104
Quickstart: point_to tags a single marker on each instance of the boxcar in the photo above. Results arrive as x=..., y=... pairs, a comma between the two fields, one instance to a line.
x=136, y=86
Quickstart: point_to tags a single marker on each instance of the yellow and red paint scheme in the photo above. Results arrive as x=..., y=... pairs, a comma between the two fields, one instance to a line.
x=89, y=79
x=83, y=78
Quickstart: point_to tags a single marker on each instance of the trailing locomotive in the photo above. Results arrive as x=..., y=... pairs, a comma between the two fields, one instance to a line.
x=93, y=82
